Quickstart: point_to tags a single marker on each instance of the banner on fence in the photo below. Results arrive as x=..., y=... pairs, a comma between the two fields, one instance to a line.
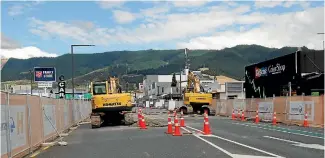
x=17, y=126
x=48, y=118
x=265, y=110
x=222, y=107
x=66, y=115
x=239, y=104
x=4, y=129
x=299, y=108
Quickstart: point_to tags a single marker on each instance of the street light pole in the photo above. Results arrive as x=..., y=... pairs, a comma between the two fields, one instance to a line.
x=72, y=64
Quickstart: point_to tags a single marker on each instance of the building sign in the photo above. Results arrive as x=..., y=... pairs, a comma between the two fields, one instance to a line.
x=44, y=74
x=259, y=72
x=270, y=70
x=276, y=69
x=61, y=86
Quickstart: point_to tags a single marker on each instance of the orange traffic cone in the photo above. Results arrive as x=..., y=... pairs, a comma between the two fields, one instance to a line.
x=177, y=128
x=182, y=120
x=274, y=119
x=305, y=120
x=257, y=119
x=143, y=123
x=238, y=114
x=206, y=126
x=233, y=117
x=243, y=115
x=170, y=126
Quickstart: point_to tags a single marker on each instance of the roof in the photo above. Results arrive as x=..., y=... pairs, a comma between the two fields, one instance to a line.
x=223, y=79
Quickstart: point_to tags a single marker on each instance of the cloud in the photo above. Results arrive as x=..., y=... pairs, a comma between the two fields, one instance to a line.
x=12, y=49
x=111, y=4
x=268, y=4
x=215, y=27
x=154, y=11
x=25, y=53
x=290, y=29
x=7, y=43
x=123, y=17
x=192, y=3
x=22, y=7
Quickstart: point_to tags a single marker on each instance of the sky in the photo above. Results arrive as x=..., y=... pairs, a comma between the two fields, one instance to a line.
x=48, y=28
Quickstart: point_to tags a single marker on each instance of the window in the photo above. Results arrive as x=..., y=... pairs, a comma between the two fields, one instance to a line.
x=176, y=89
x=99, y=88
x=162, y=89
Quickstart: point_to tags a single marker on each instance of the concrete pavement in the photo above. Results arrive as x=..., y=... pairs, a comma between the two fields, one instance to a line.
x=229, y=139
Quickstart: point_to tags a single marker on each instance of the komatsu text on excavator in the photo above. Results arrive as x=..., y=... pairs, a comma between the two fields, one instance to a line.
x=109, y=104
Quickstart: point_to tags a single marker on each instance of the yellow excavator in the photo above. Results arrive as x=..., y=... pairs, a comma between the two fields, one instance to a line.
x=195, y=96
x=109, y=104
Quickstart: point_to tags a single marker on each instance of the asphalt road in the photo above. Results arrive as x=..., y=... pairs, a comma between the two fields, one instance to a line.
x=229, y=139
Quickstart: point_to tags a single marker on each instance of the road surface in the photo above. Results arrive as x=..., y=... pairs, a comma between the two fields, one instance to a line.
x=229, y=139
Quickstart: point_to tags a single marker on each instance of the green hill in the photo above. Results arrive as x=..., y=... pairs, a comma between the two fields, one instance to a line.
x=136, y=64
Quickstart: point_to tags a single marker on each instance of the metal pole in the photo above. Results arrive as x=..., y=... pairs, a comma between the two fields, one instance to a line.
x=180, y=84
x=72, y=71
x=31, y=82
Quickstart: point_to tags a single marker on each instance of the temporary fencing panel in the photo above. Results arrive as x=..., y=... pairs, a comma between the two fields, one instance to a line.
x=289, y=110
x=28, y=121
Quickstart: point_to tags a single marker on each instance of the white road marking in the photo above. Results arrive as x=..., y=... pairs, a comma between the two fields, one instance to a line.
x=300, y=144
x=248, y=156
x=250, y=147
x=217, y=147
x=271, y=129
x=286, y=128
x=186, y=130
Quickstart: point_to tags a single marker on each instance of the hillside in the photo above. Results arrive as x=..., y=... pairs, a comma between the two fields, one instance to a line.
x=229, y=61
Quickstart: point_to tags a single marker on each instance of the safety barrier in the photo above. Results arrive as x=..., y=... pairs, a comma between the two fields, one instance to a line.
x=289, y=110
x=28, y=121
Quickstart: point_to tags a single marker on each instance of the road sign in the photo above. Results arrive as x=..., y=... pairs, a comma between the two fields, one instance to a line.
x=44, y=74
x=61, y=86
x=44, y=84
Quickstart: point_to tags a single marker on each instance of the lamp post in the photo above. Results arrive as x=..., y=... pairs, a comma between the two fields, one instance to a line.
x=72, y=63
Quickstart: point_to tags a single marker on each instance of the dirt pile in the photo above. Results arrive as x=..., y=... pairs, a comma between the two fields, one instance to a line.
x=150, y=122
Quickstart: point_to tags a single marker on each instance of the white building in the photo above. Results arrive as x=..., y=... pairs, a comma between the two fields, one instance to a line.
x=230, y=88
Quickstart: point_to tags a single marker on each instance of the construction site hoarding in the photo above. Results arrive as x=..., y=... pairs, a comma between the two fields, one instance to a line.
x=28, y=121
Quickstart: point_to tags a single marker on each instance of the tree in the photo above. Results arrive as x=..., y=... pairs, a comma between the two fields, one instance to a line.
x=174, y=82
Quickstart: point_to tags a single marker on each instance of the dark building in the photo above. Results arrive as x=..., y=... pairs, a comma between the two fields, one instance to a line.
x=300, y=72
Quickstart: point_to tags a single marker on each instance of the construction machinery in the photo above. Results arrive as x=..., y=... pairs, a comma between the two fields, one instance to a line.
x=195, y=96
x=109, y=104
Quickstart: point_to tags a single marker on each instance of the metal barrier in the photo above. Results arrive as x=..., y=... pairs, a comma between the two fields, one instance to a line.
x=28, y=121
x=289, y=110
